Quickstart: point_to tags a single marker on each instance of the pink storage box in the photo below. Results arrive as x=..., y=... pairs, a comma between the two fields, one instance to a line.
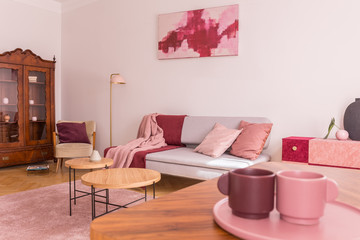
x=333, y=152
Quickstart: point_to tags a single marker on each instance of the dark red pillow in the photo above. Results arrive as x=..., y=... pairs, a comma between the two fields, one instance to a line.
x=70, y=132
x=172, y=127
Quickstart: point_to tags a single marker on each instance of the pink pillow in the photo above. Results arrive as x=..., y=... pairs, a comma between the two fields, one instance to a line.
x=251, y=140
x=217, y=141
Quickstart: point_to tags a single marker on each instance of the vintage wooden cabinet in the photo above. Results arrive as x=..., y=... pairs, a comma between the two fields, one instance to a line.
x=27, y=108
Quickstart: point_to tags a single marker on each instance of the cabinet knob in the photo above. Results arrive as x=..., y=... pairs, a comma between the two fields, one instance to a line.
x=294, y=148
x=5, y=158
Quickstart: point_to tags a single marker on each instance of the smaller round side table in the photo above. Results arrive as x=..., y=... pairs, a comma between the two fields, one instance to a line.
x=84, y=163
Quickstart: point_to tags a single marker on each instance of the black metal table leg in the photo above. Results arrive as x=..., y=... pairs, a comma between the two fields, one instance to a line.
x=92, y=202
x=74, y=188
x=107, y=200
x=69, y=188
x=107, y=195
x=153, y=190
x=145, y=193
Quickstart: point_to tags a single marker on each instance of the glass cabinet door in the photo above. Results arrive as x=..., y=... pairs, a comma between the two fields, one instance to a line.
x=36, y=101
x=10, y=104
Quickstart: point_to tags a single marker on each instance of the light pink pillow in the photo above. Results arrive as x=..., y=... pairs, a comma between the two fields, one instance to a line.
x=217, y=141
x=251, y=140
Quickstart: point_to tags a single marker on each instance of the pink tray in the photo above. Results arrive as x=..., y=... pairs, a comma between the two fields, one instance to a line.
x=340, y=221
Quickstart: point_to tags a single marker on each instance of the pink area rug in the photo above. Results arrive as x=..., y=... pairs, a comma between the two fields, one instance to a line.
x=43, y=213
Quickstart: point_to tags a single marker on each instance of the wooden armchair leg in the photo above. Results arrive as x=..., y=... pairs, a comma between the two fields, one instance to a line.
x=59, y=164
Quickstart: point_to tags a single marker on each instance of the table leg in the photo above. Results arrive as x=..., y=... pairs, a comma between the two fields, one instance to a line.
x=92, y=202
x=107, y=200
x=107, y=194
x=74, y=188
x=153, y=190
x=145, y=194
x=69, y=188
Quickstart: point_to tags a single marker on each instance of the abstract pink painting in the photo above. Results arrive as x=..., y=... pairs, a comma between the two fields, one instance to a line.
x=199, y=33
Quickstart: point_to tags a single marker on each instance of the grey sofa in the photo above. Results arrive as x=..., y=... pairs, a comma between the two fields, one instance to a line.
x=185, y=162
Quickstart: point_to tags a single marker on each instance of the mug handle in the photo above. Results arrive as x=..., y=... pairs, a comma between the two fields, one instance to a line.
x=331, y=190
x=223, y=184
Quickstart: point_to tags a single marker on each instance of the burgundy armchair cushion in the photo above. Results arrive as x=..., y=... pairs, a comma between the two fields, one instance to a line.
x=70, y=132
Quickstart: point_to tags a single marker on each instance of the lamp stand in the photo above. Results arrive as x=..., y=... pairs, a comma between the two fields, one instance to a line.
x=115, y=78
x=110, y=114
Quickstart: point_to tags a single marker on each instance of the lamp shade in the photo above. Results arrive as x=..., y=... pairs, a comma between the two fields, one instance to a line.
x=116, y=78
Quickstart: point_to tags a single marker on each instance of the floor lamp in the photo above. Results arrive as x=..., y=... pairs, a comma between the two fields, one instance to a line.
x=115, y=78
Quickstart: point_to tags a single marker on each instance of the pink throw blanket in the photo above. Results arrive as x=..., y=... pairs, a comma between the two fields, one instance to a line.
x=150, y=136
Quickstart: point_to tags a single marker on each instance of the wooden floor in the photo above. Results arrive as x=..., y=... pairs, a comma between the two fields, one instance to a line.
x=16, y=179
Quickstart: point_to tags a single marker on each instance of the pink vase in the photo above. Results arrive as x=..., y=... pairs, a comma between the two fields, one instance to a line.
x=342, y=135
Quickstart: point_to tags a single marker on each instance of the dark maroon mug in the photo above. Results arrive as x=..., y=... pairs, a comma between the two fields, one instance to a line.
x=250, y=191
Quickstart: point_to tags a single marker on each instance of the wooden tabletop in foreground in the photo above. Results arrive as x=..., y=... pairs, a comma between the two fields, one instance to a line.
x=187, y=214
x=121, y=178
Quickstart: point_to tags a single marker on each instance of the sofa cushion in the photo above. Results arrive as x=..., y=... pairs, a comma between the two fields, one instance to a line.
x=201, y=173
x=187, y=157
x=249, y=144
x=172, y=126
x=217, y=141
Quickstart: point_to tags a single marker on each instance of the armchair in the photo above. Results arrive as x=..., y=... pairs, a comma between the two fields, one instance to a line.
x=74, y=149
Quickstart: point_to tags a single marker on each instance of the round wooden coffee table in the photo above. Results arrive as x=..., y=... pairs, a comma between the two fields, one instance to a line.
x=119, y=178
x=84, y=163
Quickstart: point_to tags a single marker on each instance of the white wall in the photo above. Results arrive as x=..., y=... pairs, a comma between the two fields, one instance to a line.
x=38, y=29
x=298, y=65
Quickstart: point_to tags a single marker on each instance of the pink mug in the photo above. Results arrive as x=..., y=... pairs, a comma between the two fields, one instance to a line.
x=301, y=195
x=250, y=191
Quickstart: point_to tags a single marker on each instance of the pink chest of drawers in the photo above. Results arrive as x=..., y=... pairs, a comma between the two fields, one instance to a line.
x=332, y=152
x=317, y=151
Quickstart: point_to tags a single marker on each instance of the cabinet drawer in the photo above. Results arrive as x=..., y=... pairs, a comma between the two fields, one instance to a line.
x=41, y=154
x=12, y=158
x=295, y=149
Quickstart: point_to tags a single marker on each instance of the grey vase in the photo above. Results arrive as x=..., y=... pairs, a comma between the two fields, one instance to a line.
x=352, y=120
